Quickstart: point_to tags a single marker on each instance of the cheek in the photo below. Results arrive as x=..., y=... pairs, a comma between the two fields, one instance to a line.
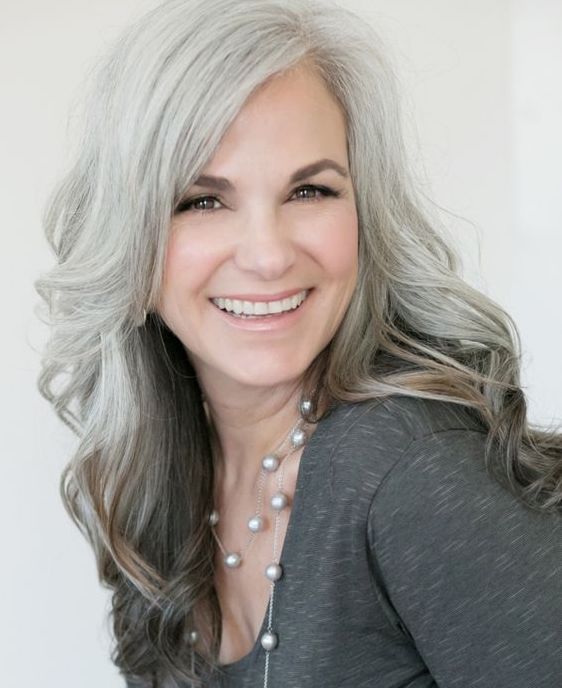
x=336, y=243
x=189, y=261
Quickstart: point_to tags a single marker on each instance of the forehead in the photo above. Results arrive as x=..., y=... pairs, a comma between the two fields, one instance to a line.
x=290, y=120
x=298, y=88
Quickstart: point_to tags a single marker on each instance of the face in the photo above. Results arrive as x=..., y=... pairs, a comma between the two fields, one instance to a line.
x=260, y=237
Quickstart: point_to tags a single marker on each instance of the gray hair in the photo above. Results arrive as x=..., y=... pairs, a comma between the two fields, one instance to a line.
x=141, y=481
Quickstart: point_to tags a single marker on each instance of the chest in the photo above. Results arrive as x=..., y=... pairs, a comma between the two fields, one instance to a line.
x=331, y=627
x=244, y=596
x=244, y=591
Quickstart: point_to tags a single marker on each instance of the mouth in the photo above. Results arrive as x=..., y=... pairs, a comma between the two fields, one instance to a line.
x=264, y=310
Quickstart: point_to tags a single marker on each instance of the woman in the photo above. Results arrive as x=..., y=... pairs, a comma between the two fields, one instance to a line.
x=305, y=458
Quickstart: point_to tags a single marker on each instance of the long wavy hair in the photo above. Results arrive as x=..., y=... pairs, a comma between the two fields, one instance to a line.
x=140, y=482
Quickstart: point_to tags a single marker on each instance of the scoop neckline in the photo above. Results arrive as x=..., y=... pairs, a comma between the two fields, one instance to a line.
x=304, y=471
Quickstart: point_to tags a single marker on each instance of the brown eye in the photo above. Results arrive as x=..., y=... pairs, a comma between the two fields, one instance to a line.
x=311, y=190
x=203, y=204
x=196, y=203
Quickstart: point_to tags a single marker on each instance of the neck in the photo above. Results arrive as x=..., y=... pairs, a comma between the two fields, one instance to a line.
x=245, y=434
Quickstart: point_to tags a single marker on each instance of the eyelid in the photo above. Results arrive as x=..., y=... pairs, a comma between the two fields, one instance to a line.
x=326, y=192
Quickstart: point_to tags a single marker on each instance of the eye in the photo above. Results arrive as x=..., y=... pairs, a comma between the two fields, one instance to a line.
x=191, y=203
x=186, y=205
x=324, y=191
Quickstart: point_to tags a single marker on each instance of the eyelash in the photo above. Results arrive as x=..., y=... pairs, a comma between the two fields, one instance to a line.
x=324, y=190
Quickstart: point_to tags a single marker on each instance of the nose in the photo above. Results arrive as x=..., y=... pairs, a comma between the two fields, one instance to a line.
x=266, y=246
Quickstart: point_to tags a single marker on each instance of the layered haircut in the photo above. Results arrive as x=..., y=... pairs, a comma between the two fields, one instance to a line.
x=140, y=483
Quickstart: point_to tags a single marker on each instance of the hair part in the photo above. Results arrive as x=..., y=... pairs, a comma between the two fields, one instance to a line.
x=141, y=480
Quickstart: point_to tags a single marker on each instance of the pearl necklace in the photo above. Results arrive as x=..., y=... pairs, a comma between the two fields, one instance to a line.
x=270, y=463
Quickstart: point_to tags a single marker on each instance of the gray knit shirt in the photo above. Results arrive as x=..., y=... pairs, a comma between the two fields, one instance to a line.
x=406, y=565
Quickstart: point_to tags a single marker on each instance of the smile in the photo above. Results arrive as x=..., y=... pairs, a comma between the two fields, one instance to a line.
x=290, y=313
x=253, y=309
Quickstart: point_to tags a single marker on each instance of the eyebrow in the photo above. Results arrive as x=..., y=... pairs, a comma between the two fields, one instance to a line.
x=223, y=184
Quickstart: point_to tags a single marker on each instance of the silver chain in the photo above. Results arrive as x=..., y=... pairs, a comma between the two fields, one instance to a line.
x=275, y=558
x=297, y=442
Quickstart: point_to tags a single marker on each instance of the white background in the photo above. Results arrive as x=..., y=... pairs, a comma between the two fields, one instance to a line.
x=482, y=92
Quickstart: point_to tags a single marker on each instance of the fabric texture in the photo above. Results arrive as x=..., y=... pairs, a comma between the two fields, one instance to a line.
x=406, y=565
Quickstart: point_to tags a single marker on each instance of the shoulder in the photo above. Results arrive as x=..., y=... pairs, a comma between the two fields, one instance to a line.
x=440, y=515
x=466, y=563
x=443, y=478
x=402, y=419
x=369, y=439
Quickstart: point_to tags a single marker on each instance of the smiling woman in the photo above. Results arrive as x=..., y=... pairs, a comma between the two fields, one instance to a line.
x=265, y=243
x=304, y=453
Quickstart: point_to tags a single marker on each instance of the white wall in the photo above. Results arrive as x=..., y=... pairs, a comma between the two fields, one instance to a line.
x=481, y=83
x=535, y=297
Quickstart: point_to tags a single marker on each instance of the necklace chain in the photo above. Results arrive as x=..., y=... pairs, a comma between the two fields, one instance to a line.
x=262, y=478
x=297, y=437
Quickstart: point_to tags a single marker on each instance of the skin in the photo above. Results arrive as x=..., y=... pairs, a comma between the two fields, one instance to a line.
x=264, y=237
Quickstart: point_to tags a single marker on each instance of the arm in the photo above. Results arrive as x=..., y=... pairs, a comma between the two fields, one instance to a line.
x=474, y=575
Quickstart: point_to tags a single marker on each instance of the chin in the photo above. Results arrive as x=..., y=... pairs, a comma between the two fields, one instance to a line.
x=268, y=376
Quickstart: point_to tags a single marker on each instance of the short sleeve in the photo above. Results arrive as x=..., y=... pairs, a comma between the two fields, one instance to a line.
x=474, y=574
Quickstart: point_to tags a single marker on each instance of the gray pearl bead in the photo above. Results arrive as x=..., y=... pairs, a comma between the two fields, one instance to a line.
x=274, y=571
x=298, y=437
x=270, y=463
x=305, y=406
x=255, y=524
x=233, y=560
x=269, y=641
x=279, y=501
x=214, y=517
x=193, y=637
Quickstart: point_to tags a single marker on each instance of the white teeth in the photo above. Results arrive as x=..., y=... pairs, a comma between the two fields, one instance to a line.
x=275, y=307
x=260, y=307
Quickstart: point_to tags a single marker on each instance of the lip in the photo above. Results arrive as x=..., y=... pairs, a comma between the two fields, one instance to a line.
x=264, y=297
x=272, y=323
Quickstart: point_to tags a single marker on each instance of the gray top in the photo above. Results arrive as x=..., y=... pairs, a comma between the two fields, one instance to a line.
x=406, y=565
